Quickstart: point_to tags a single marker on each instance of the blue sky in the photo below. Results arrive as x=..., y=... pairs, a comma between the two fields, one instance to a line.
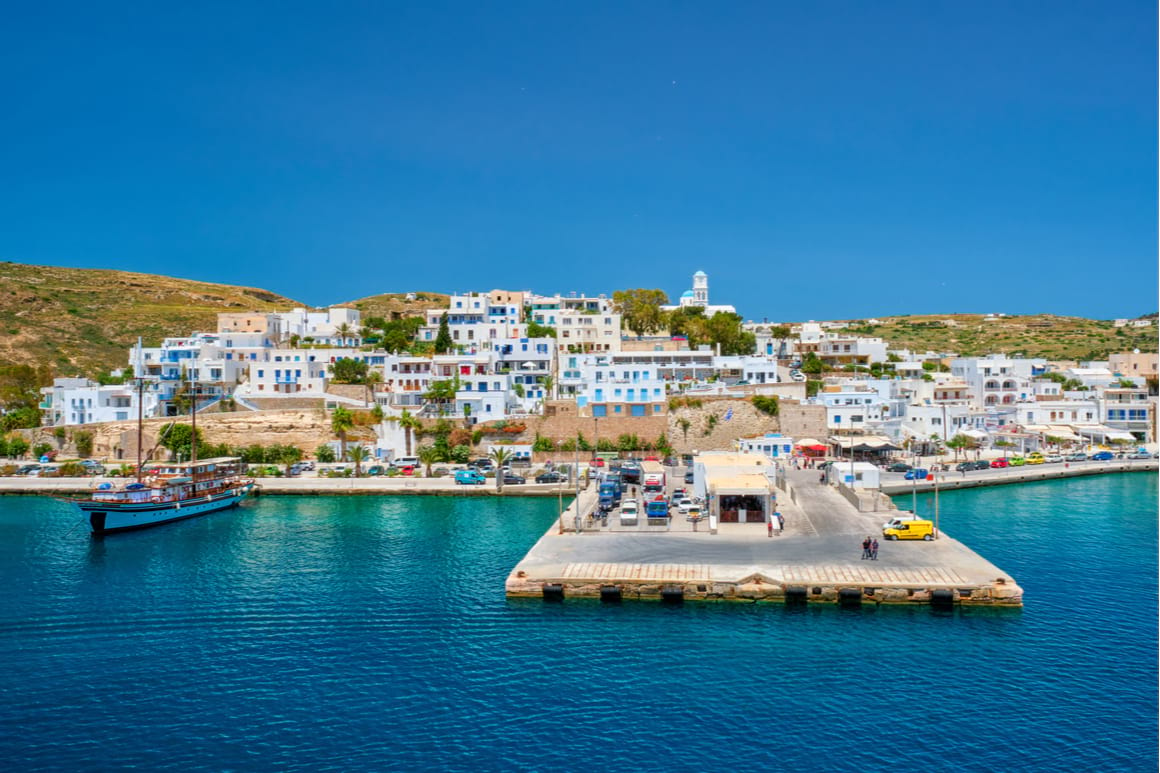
x=818, y=160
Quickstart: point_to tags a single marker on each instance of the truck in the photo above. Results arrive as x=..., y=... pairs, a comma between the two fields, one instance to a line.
x=653, y=477
x=609, y=492
x=656, y=508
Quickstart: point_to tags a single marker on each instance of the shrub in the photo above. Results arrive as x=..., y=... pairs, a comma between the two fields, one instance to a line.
x=71, y=470
x=84, y=443
x=767, y=405
x=543, y=444
x=40, y=449
x=324, y=454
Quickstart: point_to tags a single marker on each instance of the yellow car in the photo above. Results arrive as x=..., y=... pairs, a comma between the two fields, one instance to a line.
x=1035, y=459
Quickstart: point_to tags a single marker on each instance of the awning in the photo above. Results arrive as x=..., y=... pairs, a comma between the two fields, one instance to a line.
x=977, y=434
x=808, y=442
x=865, y=443
x=1107, y=433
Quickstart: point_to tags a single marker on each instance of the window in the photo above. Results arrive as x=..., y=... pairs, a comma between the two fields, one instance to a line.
x=261, y=374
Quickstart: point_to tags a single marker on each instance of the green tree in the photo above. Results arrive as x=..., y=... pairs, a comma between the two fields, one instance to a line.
x=344, y=332
x=60, y=434
x=17, y=447
x=348, y=371
x=684, y=424
x=341, y=422
x=640, y=309
x=547, y=382
x=501, y=456
x=442, y=393
x=443, y=342
x=812, y=364
x=958, y=443
x=536, y=330
x=460, y=454
x=324, y=454
x=724, y=329
x=779, y=331
x=408, y=424
x=178, y=439
x=358, y=454
x=84, y=443
x=40, y=449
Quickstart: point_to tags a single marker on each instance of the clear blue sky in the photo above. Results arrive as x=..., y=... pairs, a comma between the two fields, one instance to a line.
x=818, y=160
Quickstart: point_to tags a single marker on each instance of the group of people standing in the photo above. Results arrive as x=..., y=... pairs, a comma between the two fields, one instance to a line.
x=870, y=549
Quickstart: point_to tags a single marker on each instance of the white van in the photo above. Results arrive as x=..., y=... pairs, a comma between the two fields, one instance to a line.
x=899, y=519
x=406, y=461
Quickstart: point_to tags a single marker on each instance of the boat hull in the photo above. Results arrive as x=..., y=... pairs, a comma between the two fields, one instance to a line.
x=113, y=517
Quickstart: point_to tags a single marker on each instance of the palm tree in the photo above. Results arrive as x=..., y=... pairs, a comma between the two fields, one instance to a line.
x=344, y=331
x=428, y=455
x=341, y=421
x=372, y=380
x=358, y=455
x=500, y=456
x=409, y=423
x=467, y=415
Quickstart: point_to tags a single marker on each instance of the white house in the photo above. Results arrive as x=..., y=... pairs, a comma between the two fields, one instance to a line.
x=77, y=401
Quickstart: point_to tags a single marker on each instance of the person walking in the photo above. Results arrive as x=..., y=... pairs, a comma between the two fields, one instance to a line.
x=865, y=548
x=874, y=550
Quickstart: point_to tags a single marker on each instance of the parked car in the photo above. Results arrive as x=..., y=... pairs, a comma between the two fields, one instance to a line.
x=375, y=469
x=684, y=505
x=1053, y=458
x=92, y=467
x=549, y=477
x=982, y=464
x=965, y=466
x=1079, y=456
x=917, y=473
x=511, y=479
x=689, y=477
x=1016, y=461
x=1035, y=459
x=899, y=467
x=306, y=465
x=1140, y=455
x=999, y=464
x=1103, y=456
x=28, y=469
x=669, y=462
x=440, y=472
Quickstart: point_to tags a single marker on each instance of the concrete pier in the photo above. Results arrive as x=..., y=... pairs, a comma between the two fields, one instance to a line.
x=308, y=486
x=895, y=483
x=816, y=559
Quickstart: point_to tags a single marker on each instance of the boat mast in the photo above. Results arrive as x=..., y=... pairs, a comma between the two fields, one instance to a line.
x=193, y=433
x=140, y=422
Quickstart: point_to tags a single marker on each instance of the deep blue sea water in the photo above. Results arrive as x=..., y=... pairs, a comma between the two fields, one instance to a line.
x=373, y=633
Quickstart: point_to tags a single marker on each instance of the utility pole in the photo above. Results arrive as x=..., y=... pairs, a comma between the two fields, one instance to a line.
x=936, y=531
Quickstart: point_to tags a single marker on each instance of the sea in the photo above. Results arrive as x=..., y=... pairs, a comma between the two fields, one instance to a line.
x=372, y=633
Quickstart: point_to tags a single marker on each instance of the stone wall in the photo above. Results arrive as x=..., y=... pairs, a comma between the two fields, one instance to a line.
x=305, y=429
x=799, y=421
x=704, y=435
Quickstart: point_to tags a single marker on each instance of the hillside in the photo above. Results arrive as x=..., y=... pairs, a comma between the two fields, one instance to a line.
x=1040, y=335
x=391, y=306
x=83, y=321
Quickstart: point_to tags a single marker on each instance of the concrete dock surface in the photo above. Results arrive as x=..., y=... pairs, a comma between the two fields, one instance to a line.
x=818, y=557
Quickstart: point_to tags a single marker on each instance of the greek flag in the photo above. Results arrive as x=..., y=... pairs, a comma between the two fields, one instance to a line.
x=728, y=414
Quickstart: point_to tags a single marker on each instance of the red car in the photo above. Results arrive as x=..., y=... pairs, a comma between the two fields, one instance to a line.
x=999, y=464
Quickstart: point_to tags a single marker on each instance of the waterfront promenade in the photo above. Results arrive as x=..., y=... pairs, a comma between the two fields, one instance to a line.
x=309, y=487
x=896, y=483
x=816, y=559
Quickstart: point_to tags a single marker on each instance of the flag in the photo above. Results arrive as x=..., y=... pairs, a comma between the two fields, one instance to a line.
x=728, y=414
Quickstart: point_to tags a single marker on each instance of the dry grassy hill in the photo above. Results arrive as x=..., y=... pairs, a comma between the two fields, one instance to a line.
x=391, y=306
x=83, y=321
x=1039, y=335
